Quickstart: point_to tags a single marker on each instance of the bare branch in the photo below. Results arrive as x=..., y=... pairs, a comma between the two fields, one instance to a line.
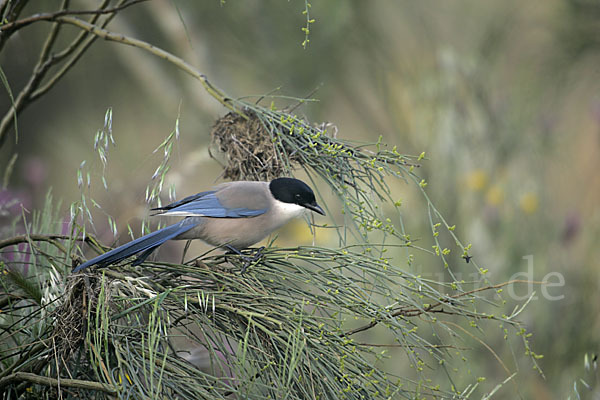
x=44, y=380
x=433, y=308
x=9, y=11
x=75, y=48
x=178, y=62
x=11, y=26
x=31, y=92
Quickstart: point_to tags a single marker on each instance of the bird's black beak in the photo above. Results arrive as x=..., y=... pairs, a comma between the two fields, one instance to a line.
x=315, y=207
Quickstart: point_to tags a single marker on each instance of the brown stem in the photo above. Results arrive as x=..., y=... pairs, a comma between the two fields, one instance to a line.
x=31, y=92
x=11, y=26
x=432, y=308
x=9, y=11
x=43, y=238
x=47, y=381
x=75, y=48
x=178, y=62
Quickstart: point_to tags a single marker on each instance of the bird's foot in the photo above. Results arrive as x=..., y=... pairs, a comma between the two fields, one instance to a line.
x=248, y=260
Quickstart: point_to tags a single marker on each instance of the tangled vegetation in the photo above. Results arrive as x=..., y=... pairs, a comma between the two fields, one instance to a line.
x=303, y=322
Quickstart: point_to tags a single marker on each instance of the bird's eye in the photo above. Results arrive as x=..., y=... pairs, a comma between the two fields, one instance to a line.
x=297, y=196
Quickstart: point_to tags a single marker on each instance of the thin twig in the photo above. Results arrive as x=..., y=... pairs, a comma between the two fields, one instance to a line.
x=30, y=93
x=413, y=346
x=45, y=62
x=22, y=99
x=484, y=344
x=413, y=312
x=44, y=380
x=70, y=49
x=10, y=10
x=39, y=71
x=20, y=23
x=42, y=238
x=51, y=37
x=178, y=62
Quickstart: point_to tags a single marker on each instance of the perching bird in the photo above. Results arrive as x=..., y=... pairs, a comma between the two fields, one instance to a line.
x=234, y=215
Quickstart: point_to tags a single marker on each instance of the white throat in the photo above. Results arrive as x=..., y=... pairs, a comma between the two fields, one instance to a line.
x=287, y=211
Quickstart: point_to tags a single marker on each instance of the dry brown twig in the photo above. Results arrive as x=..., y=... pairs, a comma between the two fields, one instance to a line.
x=90, y=31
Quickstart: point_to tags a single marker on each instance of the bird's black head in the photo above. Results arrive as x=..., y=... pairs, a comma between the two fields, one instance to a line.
x=294, y=191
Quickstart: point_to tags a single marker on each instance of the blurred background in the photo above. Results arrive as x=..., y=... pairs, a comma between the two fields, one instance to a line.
x=503, y=96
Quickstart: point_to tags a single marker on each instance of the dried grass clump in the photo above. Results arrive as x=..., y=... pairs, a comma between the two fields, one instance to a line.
x=69, y=330
x=248, y=148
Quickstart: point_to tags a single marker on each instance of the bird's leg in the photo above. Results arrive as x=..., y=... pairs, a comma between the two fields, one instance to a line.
x=259, y=253
x=247, y=259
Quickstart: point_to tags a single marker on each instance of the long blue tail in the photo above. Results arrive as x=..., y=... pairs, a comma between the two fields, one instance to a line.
x=146, y=244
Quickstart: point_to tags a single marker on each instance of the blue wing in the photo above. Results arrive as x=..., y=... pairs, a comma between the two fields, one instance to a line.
x=206, y=204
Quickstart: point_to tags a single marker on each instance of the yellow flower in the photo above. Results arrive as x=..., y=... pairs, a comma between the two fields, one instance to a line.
x=495, y=195
x=477, y=180
x=529, y=203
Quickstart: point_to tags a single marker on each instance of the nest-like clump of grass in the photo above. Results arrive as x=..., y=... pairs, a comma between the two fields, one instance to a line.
x=71, y=316
x=247, y=147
